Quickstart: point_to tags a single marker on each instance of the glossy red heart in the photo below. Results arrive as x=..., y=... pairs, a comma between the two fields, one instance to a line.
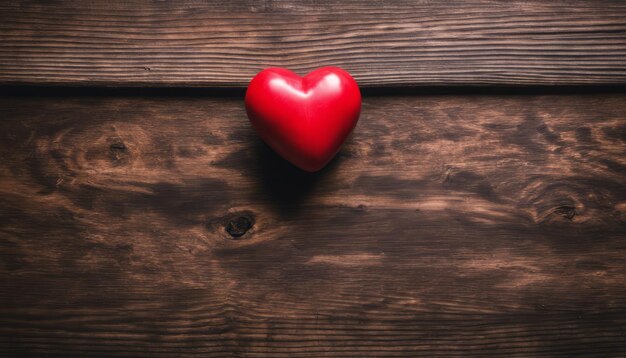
x=304, y=119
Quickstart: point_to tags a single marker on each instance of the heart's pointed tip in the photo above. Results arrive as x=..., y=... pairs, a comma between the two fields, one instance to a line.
x=310, y=168
x=313, y=170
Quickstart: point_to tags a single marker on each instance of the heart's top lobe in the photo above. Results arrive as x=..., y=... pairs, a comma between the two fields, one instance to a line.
x=304, y=119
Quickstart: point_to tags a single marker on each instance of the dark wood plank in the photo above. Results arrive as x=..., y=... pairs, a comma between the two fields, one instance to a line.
x=448, y=226
x=394, y=43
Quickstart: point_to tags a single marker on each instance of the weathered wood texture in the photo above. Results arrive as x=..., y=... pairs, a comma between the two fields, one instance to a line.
x=224, y=43
x=447, y=226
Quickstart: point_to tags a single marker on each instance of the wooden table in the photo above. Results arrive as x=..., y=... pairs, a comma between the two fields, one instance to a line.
x=478, y=209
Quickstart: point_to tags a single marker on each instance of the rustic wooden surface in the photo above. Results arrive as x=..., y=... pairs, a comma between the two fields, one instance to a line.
x=448, y=226
x=224, y=43
x=155, y=223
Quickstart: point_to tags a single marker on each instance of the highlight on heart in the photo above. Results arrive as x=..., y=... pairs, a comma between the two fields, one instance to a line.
x=304, y=119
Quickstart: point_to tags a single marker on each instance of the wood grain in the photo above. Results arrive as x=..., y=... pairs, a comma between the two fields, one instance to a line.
x=488, y=225
x=395, y=43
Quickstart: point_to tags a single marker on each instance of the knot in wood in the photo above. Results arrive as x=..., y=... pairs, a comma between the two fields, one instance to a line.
x=118, y=152
x=118, y=146
x=238, y=226
x=566, y=211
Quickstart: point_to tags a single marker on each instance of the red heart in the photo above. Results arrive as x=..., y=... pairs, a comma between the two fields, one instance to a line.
x=304, y=119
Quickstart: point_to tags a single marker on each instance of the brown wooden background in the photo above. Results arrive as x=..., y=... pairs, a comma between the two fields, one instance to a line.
x=479, y=208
